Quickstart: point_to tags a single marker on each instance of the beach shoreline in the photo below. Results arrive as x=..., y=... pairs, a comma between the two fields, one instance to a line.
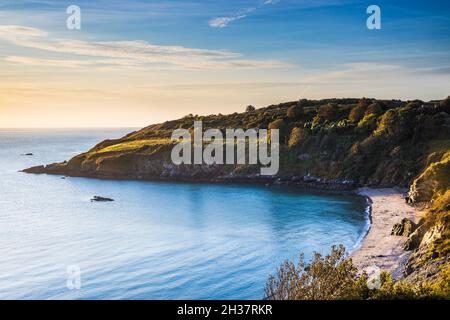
x=379, y=248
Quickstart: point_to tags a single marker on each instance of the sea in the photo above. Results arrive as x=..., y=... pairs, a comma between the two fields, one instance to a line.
x=156, y=240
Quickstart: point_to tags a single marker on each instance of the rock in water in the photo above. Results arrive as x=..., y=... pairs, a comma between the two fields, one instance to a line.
x=101, y=199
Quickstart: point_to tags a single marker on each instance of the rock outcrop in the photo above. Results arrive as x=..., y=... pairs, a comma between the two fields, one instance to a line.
x=404, y=228
x=433, y=181
x=101, y=199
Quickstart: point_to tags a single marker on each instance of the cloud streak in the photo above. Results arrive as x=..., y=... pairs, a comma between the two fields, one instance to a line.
x=222, y=22
x=12, y=31
x=134, y=54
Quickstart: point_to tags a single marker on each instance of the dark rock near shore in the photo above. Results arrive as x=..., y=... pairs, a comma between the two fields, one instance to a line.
x=415, y=238
x=101, y=199
x=404, y=228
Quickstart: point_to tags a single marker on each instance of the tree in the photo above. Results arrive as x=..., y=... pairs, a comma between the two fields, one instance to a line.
x=295, y=111
x=445, y=103
x=250, y=108
x=334, y=277
x=328, y=111
x=357, y=113
x=298, y=135
x=374, y=108
x=280, y=125
x=364, y=102
x=414, y=104
x=325, y=278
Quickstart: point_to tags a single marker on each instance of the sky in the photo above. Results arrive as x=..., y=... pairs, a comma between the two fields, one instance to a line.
x=138, y=62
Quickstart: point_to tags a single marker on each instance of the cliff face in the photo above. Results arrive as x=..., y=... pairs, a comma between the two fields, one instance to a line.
x=433, y=181
x=430, y=242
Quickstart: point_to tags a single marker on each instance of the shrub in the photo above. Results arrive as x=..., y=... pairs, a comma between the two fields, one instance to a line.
x=250, y=108
x=357, y=113
x=375, y=108
x=328, y=112
x=294, y=111
x=325, y=278
x=364, y=102
x=334, y=277
x=414, y=104
x=282, y=126
x=369, y=122
x=277, y=124
x=445, y=104
x=388, y=123
x=424, y=289
x=396, y=124
x=298, y=135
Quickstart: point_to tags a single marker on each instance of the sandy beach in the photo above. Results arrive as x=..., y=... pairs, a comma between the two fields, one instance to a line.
x=379, y=248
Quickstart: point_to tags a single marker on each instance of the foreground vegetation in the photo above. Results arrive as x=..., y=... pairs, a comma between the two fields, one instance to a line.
x=334, y=277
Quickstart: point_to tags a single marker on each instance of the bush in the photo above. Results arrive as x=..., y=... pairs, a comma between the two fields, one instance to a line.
x=375, y=108
x=250, y=108
x=282, y=126
x=357, y=113
x=396, y=124
x=277, y=124
x=445, y=104
x=294, y=111
x=325, y=278
x=414, y=104
x=328, y=112
x=334, y=277
x=369, y=122
x=364, y=102
x=298, y=135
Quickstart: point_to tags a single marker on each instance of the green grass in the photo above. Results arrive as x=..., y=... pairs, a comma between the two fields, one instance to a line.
x=135, y=145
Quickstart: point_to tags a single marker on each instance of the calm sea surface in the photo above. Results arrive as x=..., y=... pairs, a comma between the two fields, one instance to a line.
x=157, y=240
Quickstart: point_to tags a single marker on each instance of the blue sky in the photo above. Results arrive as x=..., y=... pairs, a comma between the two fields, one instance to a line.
x=280, y=49
x=288, y=29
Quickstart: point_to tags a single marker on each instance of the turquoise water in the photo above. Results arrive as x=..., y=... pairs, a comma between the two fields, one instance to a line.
x=157, y=240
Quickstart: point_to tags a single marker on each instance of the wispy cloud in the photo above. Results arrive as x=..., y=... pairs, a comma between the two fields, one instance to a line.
x=13, y=31
x=222, y=22
x=67, y=63
x=135, y=53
